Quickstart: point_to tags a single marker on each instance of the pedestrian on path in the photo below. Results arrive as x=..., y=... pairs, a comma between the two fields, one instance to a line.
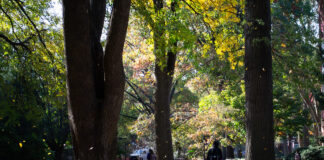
x=215, y=153
x=297, y=155
x=151, y=155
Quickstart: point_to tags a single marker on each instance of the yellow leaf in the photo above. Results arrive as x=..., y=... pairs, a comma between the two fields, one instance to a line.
x=45, y=58
x=283, y=45
x=20, y=145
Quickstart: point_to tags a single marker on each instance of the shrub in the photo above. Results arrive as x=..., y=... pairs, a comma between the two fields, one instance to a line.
x=313, y=153
x=291, y=156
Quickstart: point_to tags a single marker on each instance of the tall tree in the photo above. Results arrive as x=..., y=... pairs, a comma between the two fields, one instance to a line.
x=95, y=78
x=258, y=81
x=321, y=51
x=164, y=70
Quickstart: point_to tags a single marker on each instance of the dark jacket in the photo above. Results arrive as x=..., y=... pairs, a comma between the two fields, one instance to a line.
x=150, y=156
x=214, y=154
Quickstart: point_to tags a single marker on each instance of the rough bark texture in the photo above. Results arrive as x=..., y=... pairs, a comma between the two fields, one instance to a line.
x=258, y=81
x=95, y=85
x=321, y=36
x=164, y=77
x=321, y=22
x=162, y=109
x=114, y=75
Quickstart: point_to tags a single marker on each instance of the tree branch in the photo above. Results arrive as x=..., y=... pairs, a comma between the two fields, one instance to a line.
x=15, y=44
x=141, y=90
x=36, y=29
x=146, y=106
x=131, y=117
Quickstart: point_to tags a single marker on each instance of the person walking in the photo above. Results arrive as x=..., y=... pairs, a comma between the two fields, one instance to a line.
x=239, y=153
x=151, y=155
x=215, y=153
x=297, y=155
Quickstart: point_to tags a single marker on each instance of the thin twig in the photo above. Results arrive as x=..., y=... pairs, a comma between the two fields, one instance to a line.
x=36, y=29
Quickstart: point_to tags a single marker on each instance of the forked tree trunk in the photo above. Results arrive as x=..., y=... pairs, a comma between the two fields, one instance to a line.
x=95, y=80
x=114, y=75
x=258, y=81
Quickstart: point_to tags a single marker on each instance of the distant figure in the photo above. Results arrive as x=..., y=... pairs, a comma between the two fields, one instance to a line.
x=239, y=153
x=297, y=156
x=151, y=155
x=215, y=153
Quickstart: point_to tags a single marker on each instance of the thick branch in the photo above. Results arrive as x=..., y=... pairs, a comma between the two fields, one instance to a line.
x=14, y=44
x=128, y=116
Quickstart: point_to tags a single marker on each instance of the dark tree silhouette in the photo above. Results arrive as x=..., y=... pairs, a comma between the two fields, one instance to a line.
x=95, y=78
x=258, y=81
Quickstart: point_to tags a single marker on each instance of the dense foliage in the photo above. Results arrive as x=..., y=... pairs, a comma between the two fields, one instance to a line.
x=33, y=116
x=207, y=94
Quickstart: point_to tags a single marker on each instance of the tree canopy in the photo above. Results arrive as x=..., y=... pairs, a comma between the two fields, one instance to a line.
x=172, y=75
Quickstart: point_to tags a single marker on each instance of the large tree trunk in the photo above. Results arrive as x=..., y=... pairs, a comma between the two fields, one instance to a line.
x=162, y=112
x=258, y=81
x=321, y=53
x=164, y=69
x=95, y=92
x=114, y=75
x=321, y=25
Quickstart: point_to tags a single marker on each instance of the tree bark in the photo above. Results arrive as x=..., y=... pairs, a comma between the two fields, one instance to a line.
x=162, y=113
x=164, y=69
x=321, y=53
x=114, y=75
x=258, y=81
x=95, y=82
x=321, y=24
x=311, y=107
x=322, y=124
